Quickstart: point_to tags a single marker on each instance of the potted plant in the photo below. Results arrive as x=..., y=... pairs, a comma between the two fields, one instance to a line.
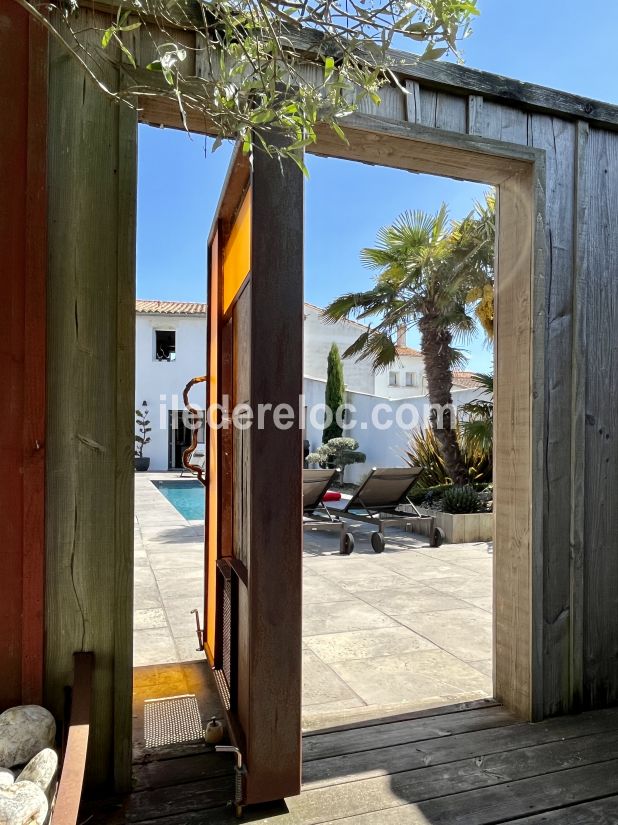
x=142, y=462
x=338, y=452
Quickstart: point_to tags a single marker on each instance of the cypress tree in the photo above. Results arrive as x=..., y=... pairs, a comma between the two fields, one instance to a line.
x=335, y=392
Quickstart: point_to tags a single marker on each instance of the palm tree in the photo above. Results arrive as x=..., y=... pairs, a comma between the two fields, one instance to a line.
x=477, y=232
x=426, y=268
x=476, y=428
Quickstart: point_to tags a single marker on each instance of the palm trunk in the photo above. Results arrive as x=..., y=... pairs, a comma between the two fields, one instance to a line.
x=436, y=346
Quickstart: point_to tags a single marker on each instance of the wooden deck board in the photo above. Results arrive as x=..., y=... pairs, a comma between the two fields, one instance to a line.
x=448, y=769
x=325, y=744
x=407, y=757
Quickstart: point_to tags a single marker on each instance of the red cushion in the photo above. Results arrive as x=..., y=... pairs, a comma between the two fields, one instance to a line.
x=330, y=495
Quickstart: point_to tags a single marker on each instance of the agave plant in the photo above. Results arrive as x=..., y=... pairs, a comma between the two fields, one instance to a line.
x=424, y=451
x=461, y=500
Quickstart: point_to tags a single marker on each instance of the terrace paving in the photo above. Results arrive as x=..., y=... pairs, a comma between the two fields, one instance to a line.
x=410, y=628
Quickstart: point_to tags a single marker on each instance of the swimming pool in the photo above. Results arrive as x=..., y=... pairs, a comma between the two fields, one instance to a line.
x=188, y=497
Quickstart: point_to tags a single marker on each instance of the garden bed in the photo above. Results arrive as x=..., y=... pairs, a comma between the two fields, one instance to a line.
x=462, y=527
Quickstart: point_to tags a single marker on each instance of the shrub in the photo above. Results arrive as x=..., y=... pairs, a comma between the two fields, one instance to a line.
x=424, y=451
x=461, y=500
x=338, y=452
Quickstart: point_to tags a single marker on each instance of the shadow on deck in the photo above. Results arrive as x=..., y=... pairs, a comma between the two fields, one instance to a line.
x=470, y=765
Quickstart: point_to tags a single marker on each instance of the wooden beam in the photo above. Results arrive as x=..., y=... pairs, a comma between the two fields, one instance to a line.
x=70, y=785
x=91, y=316
x=577, y=539
x=23, y=261
x=423, y=149
x=463, y=80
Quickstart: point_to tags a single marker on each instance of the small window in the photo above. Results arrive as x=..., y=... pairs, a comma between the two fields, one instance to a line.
x=165, y=345
x=411, y=379
x=393, y=379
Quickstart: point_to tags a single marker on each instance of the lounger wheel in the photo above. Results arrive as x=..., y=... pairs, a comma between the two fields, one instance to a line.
x=437, y=537
x=378, y=542
x=347, y=544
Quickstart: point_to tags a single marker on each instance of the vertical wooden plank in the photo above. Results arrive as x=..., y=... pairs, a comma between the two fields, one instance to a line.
x=392, y=105
x=475, y=114
x=578, y=421
x=598, y=256
x=275, y=580
x=212, y=453
x=90, y=430
x=517, y=680
x=125, y=412
x=413, y=101
x=33, y=584
x=504, y=123
x=23, y=258
x=557, y=139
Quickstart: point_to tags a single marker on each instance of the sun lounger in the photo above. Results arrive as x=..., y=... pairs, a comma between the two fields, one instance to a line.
x=379, y=500
x=316, y=515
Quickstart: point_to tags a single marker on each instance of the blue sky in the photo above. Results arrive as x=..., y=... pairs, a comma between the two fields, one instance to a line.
x=557, y=43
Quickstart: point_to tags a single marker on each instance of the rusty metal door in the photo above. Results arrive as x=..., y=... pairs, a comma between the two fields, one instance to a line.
x=254, y=510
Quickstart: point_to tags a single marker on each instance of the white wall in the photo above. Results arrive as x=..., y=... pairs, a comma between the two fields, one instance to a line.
x=154, y=379
x=403, y=364
x=384, y=447
x=319, y=337
x=161, y=383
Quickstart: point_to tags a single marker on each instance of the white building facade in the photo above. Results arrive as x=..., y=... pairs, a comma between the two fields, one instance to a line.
x=171, y=350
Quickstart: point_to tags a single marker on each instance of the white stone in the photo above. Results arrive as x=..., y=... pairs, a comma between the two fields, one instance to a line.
x=41, y=769
x=24, y=731
x=6, y=777
x=23, y=803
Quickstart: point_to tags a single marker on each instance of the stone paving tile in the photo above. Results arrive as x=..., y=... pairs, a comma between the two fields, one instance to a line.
x=485, y=666
x=317, y=589
x=321, y=685
x=462, y=586
x=377, y=580
x=485, y=603
x=465, y=633
x=153, y=645
x=149, y=617
x=365, y=644
x=334, y=617
x=376, y=632
x=418, y=598
x=416, y=677
x=187, y=649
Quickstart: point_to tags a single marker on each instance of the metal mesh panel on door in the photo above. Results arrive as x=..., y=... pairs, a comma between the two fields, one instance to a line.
x=226, y=659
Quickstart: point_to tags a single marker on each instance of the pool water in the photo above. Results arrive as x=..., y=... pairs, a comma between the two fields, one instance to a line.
x=188, y=497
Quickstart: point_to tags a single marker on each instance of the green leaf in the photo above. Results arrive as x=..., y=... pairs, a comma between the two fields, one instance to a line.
x=339, y=132
x=107, y=36
x=155, y=66
x=263, y=117
x=329, y=67
x=433, y=53
x=130, y=28
x=126, y=52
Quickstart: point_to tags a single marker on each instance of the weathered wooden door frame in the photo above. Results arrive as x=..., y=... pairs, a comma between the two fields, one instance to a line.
x=518, y=173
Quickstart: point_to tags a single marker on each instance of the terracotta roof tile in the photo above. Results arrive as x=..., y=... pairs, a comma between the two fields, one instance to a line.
x=407, y=351
x=170, y=308
x=466, y=379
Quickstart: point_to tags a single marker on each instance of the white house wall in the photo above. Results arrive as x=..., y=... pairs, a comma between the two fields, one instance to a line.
x=384, y=447
x=319, y=337
x=161, y=383
x=403, y=365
